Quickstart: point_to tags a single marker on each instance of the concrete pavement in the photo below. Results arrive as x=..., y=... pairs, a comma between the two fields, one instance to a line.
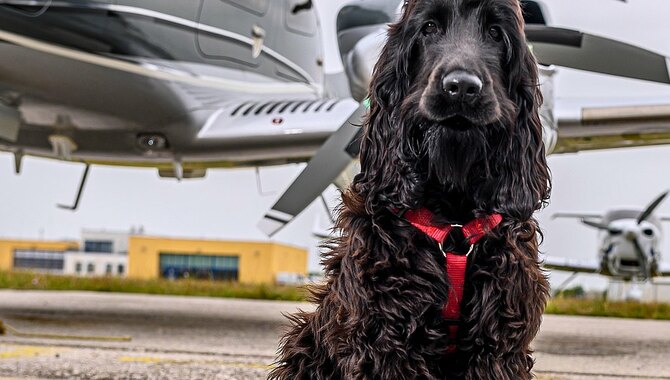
x=204, y=338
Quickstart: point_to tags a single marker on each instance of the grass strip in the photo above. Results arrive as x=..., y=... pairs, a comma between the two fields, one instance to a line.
x=602, y=308
x=204, y=288
x=199, y=288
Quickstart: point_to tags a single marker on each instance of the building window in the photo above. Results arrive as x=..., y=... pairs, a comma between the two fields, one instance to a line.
x=49, y=261
x=108, y=270
x=120, y=269
x=90, y=268
x=175, y=266
x=77, y=267
x=98, y=246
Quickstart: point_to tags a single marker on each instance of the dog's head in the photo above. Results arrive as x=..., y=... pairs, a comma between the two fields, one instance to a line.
x=454, y=107
x=458, y=79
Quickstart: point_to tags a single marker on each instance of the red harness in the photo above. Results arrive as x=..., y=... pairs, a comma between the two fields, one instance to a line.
x=456, y=263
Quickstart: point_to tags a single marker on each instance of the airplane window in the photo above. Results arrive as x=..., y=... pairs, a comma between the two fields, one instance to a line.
x=300, y=22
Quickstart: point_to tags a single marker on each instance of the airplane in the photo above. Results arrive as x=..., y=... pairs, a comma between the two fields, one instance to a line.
x=629, y=249
x=188, y=86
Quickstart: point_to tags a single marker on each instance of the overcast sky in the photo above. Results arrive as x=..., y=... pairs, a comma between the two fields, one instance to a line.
x=226, y=205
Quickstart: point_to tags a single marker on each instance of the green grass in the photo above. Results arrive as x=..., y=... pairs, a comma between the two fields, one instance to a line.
x=602, y=308
x=31, y=281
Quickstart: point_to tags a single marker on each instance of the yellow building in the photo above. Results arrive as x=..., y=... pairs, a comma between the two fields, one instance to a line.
x=34, y=254
x=246, y=262
x=154, y=257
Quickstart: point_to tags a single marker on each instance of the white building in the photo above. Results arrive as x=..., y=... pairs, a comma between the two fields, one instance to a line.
x=95, y=264
x=104, y=253
x=95, y=241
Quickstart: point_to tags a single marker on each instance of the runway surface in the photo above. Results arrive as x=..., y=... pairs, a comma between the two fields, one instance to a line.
x=203, y=338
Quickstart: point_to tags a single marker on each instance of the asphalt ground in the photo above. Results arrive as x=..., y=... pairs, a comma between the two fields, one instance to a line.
x=203, y=338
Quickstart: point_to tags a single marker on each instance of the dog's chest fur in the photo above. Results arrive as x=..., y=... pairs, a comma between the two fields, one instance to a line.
x=407, y=286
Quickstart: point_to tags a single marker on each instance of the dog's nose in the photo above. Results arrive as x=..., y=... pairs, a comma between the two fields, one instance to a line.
x=461, y=86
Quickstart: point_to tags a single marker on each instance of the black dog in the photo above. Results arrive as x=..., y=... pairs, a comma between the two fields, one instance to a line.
x=453, y=132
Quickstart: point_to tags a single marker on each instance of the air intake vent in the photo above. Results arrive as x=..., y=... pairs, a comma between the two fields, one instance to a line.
x=630, y=263
x=284, y=107
x=262, y=119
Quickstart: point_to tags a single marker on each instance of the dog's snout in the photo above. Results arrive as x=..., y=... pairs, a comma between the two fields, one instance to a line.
x=462, y=86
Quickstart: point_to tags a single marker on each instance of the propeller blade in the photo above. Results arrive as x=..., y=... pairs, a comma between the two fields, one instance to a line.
x=583, y=51
x=652, y=207
x=641, y=257
x=326, y=165
x=601, y=226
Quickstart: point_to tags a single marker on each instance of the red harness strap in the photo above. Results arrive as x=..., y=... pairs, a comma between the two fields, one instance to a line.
x=456, y=263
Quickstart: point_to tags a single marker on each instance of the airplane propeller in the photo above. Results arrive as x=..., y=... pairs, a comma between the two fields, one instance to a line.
x=652, y=207
x=642, y=257
x=325, y=166
x=630, y=236
x=583, y=51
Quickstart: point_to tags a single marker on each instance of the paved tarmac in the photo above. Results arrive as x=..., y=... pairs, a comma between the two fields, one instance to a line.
x=203, y=338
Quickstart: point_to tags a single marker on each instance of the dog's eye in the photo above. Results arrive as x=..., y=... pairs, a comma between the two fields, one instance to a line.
x=429, y=28
x=496, y=33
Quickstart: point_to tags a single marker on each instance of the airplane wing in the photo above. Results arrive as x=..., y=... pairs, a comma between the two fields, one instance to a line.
x=576, y=215
x=570, y=265
x=593, y=124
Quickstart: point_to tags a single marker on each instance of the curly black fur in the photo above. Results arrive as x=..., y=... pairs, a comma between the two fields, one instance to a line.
x=379, y=312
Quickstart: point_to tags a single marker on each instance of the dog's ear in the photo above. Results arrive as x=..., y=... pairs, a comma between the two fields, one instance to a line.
x=525, y=181
x=385, y=181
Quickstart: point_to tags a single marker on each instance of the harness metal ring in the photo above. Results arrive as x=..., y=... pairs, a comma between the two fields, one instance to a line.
x=470, y=250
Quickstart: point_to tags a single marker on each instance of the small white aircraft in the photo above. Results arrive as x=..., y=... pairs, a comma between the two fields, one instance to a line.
x=629, y=250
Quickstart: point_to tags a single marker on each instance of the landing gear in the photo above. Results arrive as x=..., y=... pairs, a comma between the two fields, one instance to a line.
x=630, y=289
x=79, y=192
x=635, y=292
